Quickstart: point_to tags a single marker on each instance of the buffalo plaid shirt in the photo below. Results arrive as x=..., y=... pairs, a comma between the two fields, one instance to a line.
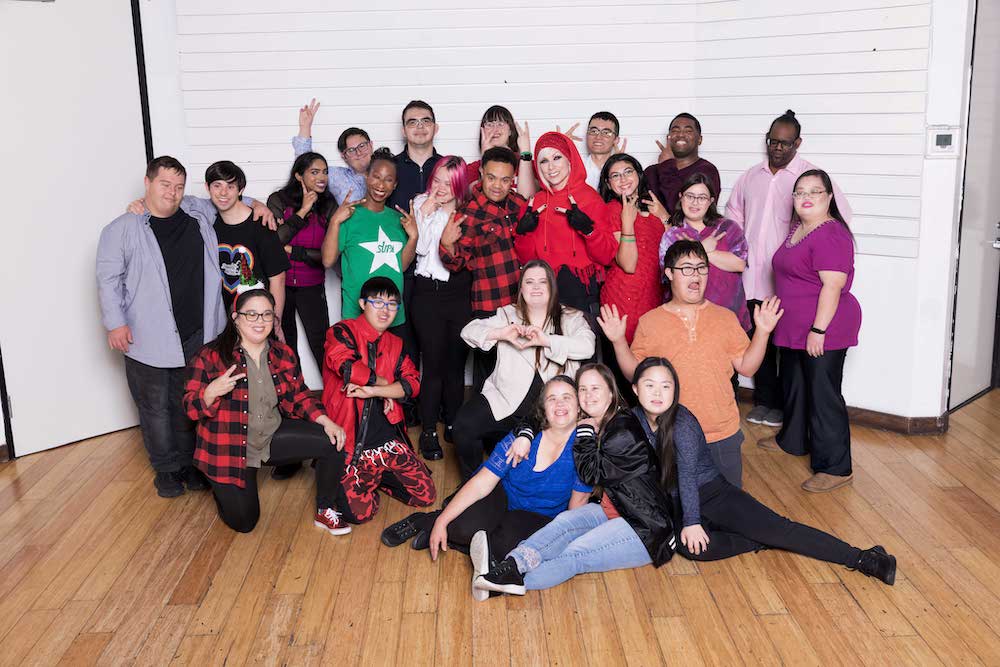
x=487, y=250
x=221, y=451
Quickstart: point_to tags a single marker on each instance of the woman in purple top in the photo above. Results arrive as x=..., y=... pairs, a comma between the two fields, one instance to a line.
x=697, y=219
x=813, y=271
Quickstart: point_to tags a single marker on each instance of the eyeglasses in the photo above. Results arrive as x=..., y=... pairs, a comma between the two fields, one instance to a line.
x=774, y=143
x=812, y=194
x=701, y=269
x=495, y=124
x=379, y=304
x=696, y=199
x=606, y=132
x=253, y=315
x=359, y=149
x=419, y=122
x=619, y=175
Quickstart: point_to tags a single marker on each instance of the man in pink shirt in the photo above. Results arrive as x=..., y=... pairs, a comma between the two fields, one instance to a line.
x=761, y=202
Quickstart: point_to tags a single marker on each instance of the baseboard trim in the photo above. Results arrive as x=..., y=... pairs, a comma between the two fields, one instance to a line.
x=883, y=420
x=4, y=453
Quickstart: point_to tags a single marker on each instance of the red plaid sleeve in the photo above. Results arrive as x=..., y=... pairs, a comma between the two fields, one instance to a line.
x=200, y=373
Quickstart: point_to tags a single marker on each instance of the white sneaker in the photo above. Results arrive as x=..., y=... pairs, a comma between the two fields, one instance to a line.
x=479, y=552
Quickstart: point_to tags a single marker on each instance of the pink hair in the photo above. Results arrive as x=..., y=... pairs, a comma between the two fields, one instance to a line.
x=458, y=173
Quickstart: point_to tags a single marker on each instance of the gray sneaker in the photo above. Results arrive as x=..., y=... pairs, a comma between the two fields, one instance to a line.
x=773, y=418
x=757, y=414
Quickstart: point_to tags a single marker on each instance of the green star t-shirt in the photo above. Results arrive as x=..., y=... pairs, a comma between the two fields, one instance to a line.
x=371, y=244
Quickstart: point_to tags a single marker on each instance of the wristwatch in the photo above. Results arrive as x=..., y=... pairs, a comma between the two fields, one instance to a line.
x=526, y=156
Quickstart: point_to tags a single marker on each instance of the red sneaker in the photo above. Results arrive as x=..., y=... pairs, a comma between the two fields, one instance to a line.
x=332, y=521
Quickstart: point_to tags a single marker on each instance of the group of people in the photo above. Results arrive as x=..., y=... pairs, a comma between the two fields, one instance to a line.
x=609, y=310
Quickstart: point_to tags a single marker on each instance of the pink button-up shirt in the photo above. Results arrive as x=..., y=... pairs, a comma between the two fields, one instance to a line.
x=761, y=202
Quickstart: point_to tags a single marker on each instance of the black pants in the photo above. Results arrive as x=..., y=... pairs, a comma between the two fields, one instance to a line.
x=816, y=419
x=444, y=309
x=295, y=440
x=476, y=429
x=766, y=381
x=483, y=363
x=407, y=330
x=737, y=523
x=584, y=297
x=167, y=432
x=504, y=527
x=310, y=304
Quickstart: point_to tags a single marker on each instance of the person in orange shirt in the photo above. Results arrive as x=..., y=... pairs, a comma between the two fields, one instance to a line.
x=705, y=343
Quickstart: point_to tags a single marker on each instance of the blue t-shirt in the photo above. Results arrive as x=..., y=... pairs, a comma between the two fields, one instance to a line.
x=544, y=491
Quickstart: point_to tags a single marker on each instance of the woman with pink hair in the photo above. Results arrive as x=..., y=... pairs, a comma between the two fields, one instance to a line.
x=442, y=303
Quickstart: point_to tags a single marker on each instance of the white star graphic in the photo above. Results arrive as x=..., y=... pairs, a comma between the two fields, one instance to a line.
x=384, y=251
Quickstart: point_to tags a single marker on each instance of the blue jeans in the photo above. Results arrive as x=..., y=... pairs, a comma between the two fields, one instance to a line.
x=578, y=541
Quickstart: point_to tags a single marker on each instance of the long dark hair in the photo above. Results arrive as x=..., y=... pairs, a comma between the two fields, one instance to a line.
x=835, y=213
x=617, y=402
x=291, y=192
x=604, y=189
x=712, y=214
x=553, y=312
x=503, y=114
x=226, y=342
x=664, y=444
x=538, y=409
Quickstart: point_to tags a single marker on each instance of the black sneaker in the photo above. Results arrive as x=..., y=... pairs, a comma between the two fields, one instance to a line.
x=422, y=540
x=403, y=530
x=286, y=471
x=168, y=484
x=430, y=448
x=502, y=578
x=193, y=479
x=875, y=562
x=449, y=434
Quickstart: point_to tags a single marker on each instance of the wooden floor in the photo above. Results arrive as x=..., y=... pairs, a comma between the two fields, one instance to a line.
x=96, y=569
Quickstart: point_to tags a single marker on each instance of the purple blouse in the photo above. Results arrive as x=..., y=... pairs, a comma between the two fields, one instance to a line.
x=724, y=288
x=829, y=247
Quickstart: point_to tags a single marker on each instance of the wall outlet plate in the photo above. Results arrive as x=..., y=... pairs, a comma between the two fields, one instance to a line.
x=943, y=141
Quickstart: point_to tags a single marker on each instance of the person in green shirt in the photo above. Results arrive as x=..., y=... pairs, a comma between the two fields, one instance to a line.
x=369, y=238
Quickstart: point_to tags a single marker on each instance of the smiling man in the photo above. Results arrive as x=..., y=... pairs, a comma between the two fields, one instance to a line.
x=665, y=179
x=355, y=148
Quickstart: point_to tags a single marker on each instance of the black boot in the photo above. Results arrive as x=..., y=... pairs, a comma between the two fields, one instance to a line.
x=193, y=479
x=875, y=562
x=430, y=448
x=449, y=434
x=168, y=484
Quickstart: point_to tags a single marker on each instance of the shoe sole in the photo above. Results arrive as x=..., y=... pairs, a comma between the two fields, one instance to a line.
x=482, y=583
x=836, y=486
x=891, y=579
x=755, y=420
x=479, y=552
x=169, y=494
x=767, y=423
x=432, y=456
x=333, y=531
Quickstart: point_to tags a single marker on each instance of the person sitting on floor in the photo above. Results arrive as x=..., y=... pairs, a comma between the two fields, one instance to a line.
x=365, y=375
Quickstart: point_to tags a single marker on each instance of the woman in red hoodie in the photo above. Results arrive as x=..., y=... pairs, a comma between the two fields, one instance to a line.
x=566, y=225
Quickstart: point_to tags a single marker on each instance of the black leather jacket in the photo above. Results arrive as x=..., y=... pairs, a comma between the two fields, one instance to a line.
x=625, y=464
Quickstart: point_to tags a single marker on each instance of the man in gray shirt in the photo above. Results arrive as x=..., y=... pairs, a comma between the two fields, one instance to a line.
x=160, y=292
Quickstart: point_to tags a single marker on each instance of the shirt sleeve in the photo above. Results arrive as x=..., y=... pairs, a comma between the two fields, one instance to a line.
x=110, y=276
x=834, y=251
x=301, y=145
x=688, y=441
x=734, y=207
x=736, y=242
x=641, y=344
x=275, y=259
x=736, y=339
x=497, y=462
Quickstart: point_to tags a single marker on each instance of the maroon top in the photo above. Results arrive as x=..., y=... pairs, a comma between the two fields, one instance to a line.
x=665, y=179
x=829, y=247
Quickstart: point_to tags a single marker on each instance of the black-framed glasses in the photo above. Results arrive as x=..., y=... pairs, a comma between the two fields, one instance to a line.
x=360, y=149
x=379, y=304
x=701, y=269
x=253, y=315
x=419, y=122
x=606, y=132
x=774, y=143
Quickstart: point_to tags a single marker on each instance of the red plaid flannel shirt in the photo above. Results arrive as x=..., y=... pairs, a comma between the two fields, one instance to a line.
x=221, y=450
x=487, y=249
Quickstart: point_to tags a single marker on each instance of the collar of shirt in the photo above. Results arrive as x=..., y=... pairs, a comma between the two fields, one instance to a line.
x=405, y=156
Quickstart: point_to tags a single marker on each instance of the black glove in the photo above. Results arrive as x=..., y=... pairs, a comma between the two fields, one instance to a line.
x=528, y=222
x=579, y=220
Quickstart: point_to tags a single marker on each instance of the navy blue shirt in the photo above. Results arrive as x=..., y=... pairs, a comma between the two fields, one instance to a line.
x=411, y=179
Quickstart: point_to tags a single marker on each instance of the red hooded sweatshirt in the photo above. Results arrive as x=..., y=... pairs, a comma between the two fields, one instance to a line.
x=554, y=240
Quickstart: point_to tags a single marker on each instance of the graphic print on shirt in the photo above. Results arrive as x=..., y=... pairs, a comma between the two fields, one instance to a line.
x=384, y=251
x=231, y=261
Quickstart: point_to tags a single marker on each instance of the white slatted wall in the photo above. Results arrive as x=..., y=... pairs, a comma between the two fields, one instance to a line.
x=854, y=71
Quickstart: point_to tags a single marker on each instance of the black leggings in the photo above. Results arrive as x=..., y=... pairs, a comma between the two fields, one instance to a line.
x=443, y=309
x=505, y=528
x=310, y=304
x=295, y=440
x=476, y=428
x=737, y=523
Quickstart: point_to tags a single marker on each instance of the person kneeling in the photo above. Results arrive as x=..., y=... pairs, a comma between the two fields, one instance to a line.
x=245, y=391
x=365, y=375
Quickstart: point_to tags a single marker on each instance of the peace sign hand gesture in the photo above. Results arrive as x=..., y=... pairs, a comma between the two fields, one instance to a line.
x=711, y=242
x=409, y=222
x=345, y=210
x=665, y=152
x=222, y=385
x=309, y=198
x=570, y=132
x=654, y=207
x=523, y=138
x=452, y=230
x=577, y=219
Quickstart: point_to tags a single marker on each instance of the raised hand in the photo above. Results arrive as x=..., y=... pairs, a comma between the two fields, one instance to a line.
x=409, y=221
x=630, y=209
x=345, y=210
x=137, y=207
x=665, y=152
x=120, y=338
x=307, y=114
x=534, y=336
x=767, y=314
x=577, y=219
x=515, y=334
x=611, y=323
x=654, y=207
x=222, y=385
x=570, y=132
x=309, y=198
x=529, y=221
x=711, y=242
x=487, y=142
x=623, y=143
x=523, y=138
x=452, y=230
